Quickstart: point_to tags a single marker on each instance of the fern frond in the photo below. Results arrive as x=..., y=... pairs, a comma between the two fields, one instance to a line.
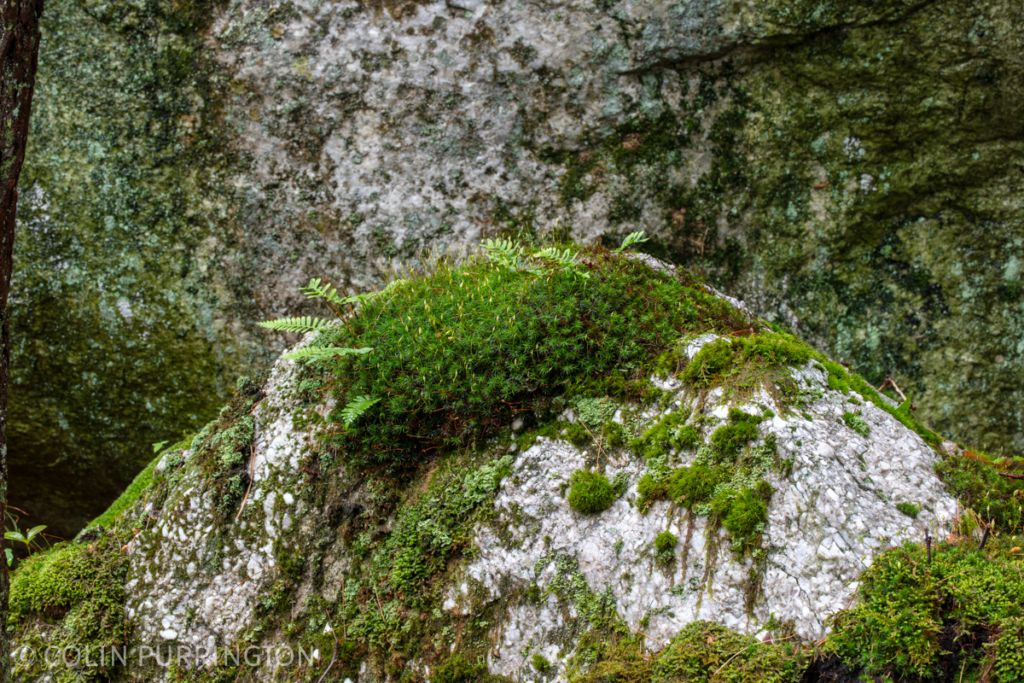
x=567, y=259
x=503, y=252
x=310, y=353
x=318, y=289
x=306, y=323
x=356, y=407
x=631, y=240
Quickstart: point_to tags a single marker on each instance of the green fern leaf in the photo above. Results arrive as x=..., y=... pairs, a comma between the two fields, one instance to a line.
x=311, y=353
x=306, y=323
x=631, y=240
x=567, y=259
x=356, y=407
x=318, y=289
x=503, y=252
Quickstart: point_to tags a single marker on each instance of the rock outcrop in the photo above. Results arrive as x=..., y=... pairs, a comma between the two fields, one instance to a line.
x=751, y=492
x=850, y=168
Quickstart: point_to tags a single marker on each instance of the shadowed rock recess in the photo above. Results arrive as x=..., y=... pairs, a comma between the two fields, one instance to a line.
x=552, y=465
x=852, y=169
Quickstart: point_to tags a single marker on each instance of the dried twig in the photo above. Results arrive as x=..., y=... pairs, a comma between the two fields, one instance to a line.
x=1011, y=475
x=890, y=382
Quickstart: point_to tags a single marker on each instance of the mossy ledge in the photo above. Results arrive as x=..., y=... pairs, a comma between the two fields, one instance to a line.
x=432, y=536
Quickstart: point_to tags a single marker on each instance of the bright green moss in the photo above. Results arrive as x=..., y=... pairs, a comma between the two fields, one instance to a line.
x=458, y=351
x=590, y=492
x=668, y=435
x=705, y=652
x=693, y=485
x=78, y=589
x=911, y=510
x=665, y=546
x=975, y=480
x=913, y=616
x=540, y=663
x=743, y=361
x=728, y=440
x=743, y=514
x=1009, y=651
x=458, y=669
x=855, y=422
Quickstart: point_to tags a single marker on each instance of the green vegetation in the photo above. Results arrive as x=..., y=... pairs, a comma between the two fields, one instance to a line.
x=590, y=492
x=728, y=440
x=668, y=435
x=458, y=669
x=855, y=422
x=975, y=480
x=915, y=620
x=665, y=547
x=459, y=350
x=702, y=652
x=745, y=362
x=540, y=663
x=78, y=588
x=743, y=513
x=694, y=485
x=911, y=510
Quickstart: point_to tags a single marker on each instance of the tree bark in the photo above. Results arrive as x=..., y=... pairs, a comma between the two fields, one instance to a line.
x=19, y=54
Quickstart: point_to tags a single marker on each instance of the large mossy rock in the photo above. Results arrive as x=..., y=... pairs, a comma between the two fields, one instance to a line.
x=663, y=488
x=851, y=169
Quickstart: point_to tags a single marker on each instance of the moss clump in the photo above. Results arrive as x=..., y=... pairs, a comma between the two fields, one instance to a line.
x=665, y=547
x=1008, y=662
x=728, y=440
x=744, y=361
x=743, y=513
x=916, y=620
x=704, y=652
x=590, y=493
x=974, y=479
x=459, y=350
x=694, y=485
x=458, y=669
x=668, y=435
x=540, y=663
x=79, y=589
x=855, y=422
x=911, y=510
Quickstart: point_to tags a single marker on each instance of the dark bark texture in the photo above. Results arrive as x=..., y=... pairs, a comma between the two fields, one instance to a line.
x=19, y=52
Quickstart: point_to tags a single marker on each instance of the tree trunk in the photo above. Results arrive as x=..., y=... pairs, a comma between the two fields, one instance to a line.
x=19, y=52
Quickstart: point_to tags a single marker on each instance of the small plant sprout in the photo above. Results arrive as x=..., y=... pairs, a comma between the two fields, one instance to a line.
x=26, y=538
x=567, y=259
x=631, y=240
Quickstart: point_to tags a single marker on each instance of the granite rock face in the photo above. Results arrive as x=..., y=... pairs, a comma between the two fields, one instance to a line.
x=851, y=169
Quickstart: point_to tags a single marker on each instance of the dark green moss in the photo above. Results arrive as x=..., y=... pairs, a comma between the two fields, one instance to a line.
x=743, y=514
x=728, y=440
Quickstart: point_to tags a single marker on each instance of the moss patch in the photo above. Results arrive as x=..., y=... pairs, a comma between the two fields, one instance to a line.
x=590, y=493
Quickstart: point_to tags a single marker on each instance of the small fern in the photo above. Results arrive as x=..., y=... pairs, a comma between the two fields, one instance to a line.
x=503, y=252
x=355, y=409
x=311, y=353
x=567, y=259
x=306, y=323
x=318, y=289
x=631, y=240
